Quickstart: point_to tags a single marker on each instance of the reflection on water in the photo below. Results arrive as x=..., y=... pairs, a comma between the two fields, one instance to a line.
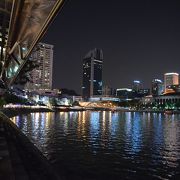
x=104, y=145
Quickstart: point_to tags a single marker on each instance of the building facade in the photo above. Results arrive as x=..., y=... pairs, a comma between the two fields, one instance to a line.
x=170, y=98
x=42, y=75
x=136, y=86
x=92, y=74
x=157, y=88
x=170, y=79
x=124, y=94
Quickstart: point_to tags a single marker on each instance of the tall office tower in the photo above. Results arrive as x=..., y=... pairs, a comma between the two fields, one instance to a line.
x=170, y=79
x=42, y=75
x=157, y=87
x=92, y=74
x=137, y=85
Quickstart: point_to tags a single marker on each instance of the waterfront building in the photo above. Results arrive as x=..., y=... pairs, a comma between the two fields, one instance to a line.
x=42, y=75
x=136, y=86
x=170, y=79
x=103, y=99
x=147, y=100
x=92, y=74
x=157, y=87
x=171, y=98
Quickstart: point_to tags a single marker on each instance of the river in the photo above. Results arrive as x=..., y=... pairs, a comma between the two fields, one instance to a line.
x=107, y=145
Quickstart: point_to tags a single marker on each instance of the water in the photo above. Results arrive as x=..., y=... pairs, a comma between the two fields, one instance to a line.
x=107, y=145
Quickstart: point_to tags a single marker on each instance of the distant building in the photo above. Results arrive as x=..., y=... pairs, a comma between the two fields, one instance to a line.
x=124, y=94
x=147, y=99
x=137, y=85
x=144, y=92
x=170, y=79
x=92, y=74
x=168, y=98
x=42, y=75
x=173, y=89
x=157, y=87
x=107, y=91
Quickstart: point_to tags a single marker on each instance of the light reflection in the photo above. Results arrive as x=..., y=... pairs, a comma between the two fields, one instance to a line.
x=114, y=123
x=103, y=121
x=133, y=133
x=94, y=124
x=141, y=139
x=171, y=139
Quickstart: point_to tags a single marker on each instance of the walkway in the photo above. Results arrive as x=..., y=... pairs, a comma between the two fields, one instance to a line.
x=19, y=158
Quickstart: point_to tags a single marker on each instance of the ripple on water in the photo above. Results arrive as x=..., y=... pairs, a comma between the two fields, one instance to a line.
x=107, y=145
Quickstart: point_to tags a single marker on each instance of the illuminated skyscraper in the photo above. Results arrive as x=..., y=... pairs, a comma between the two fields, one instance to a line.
x=42, y=75
x=157, y=87
x=92, y=73
x=171, y=79
x=137, y=85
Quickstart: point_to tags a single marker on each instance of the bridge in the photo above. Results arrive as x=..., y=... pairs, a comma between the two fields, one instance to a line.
x=22, y=24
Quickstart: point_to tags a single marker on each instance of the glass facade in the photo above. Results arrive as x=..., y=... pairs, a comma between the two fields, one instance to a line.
x=92, y=74
x=157, y=87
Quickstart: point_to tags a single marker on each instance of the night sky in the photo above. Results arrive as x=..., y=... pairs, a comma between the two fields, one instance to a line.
x=140, y=40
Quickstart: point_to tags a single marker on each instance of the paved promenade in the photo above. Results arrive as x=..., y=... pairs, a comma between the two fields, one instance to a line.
x=19, y=158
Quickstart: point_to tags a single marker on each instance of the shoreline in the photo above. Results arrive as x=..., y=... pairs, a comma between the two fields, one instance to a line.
x=20, y=158
x=11, y=112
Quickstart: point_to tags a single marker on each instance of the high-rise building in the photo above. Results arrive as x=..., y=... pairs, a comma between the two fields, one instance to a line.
x=42, y=75
x=137, y=85
x=124, y=94
x=92, y=74
x=157, y=87
x=170, y=79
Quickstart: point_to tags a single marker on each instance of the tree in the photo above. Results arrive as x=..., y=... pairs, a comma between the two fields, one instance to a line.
x=25, y=74
x=2, y=102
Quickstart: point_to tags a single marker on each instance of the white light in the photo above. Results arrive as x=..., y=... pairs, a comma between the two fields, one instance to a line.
x=124, y=89
x=137, y=81
x=173, y=73
x=98, y=61
x=158, y=80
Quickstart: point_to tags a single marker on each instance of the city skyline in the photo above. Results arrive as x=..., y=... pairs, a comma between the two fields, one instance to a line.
x=139, y=39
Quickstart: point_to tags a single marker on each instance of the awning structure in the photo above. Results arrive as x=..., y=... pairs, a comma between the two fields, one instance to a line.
x=26, y=22
x=5, y=13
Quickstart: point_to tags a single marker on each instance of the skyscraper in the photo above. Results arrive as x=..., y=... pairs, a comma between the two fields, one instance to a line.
x=137, y=85
x=157, y=87
x=42, y=75
x=92, y=73
x=171, y=79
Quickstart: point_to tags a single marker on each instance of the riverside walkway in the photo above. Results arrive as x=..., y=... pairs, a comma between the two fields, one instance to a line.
x=19, y=158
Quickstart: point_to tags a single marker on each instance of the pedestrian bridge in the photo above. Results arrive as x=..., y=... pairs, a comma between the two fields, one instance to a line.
x=22, y=25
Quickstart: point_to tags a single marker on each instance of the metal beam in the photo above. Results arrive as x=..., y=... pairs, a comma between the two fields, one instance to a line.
x=29, y=22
